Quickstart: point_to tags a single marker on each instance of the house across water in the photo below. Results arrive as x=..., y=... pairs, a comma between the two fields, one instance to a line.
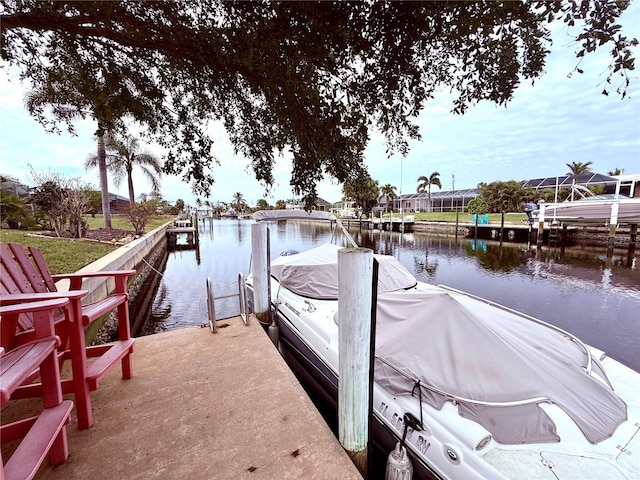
x=457, y=200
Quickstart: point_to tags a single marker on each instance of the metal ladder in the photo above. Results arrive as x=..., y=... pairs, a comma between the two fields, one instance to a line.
x=242, y=298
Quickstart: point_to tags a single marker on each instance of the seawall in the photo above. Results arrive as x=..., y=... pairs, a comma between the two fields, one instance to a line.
x=131, y=256
x=128, y=256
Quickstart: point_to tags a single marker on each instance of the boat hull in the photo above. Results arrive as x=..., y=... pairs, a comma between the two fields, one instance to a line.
x=323, y=382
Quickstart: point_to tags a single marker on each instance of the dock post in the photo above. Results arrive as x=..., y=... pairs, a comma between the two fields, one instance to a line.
x=475, y=230
x=540, y=236
x=564, y=238
x=457, y=215
x=355, y=286
x=260, y=271
x=633, y=232
x=633, y=235
x=613, y=225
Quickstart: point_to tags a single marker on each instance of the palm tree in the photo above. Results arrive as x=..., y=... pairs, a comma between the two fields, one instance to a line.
x=577, y=168
x=40, y=97
x=616, y=172
x=388, y=191
x=424, y=184
x=122, y=155
x=101, y=161
x=238, y=201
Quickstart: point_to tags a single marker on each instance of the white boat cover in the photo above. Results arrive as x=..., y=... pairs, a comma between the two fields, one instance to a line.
x=470, y=349
x=314, y=273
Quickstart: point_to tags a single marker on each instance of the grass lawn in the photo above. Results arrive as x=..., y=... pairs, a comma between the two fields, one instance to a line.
x=122, y=222
x=64, y=255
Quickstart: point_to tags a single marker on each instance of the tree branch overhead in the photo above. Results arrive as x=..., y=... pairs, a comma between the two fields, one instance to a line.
x=313, y=78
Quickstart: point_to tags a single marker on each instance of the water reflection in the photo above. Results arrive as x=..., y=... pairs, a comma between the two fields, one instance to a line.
x=495, y=257
x=425, y=266
x=185, y=241
x=576, y=289
x=160, y=313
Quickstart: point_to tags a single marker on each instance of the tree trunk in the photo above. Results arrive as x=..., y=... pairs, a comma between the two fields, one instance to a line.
x=132, y=197
x=104, y=187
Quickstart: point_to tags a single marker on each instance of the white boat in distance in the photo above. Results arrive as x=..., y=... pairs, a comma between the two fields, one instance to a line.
x=497, y=394
x=600, y=209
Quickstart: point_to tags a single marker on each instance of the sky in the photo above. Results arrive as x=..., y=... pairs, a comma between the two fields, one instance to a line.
x=561, y=119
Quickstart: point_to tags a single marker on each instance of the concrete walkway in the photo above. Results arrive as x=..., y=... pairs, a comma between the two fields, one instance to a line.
x=204, y=406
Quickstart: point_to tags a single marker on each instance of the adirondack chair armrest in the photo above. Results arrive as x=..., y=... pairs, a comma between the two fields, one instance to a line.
x=120, y=278
x=102, y=273
x=15, y=298
x=72, y=308
x=36, y=341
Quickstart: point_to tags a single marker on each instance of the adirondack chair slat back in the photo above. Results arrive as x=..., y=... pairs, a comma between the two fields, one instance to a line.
x=14, y=270
x=43, y=268
x=28, y=269
x=7, y=283
x=13, y=280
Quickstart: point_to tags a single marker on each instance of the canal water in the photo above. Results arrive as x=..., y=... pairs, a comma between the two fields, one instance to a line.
x=578, y=289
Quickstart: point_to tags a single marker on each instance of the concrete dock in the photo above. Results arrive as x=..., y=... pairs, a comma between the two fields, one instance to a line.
x=201, y=406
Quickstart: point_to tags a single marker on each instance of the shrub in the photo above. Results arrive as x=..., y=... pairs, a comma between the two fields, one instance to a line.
x=63, y=201
x=140, y=213
x=478, y=205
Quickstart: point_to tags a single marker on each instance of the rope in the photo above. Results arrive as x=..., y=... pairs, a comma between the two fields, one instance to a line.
x=136, y=252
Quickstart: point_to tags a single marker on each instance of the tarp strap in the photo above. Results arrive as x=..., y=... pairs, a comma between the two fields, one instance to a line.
x=419, y=387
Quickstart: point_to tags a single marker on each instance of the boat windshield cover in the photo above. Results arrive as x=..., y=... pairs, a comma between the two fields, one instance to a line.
x=493, y=359
x=314, y=273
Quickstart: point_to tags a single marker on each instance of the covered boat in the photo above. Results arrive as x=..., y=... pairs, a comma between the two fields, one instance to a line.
x=600, y=209
x=497, y=394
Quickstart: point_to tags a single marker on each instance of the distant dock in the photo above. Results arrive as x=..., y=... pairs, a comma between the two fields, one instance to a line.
x=186, y=227
x=395, y=224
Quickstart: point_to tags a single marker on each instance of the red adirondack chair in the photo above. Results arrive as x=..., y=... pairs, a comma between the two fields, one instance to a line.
x=27, y=273
x=44, y=434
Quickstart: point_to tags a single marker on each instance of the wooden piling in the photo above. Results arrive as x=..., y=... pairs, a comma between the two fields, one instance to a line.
x=260, y=271
x=633, y=235
x=540, y=237
x=457, y=216
x=475, y=230
x=564, y=238
x=355, y=273
x=613, y=225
